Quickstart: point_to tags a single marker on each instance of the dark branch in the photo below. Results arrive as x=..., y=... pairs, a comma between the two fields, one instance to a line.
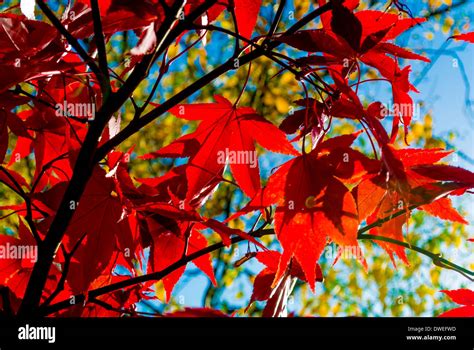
x=156, y=276
x=70, y=39
x=102, y=53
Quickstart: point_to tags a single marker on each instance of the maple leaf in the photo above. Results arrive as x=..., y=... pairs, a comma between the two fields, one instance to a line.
x=363, y=36
x=18, y=256
x=164, y=199
x=172, y=241
x=170, y=228
x=401, y=185
x=443, y=209
x=15, y=269
x=464, y=297
x=444, y=172
x=469, y=37
x=174, y=183
x=10, y=121
x=226, y=135
x=312, y=207
x=104, y=5
x=390, y=203
x=52, y=138
x=310, y=119
x=175, y=234
x=71, y=92
x=30, y=50
x=120, y=16
x=246, y=13
x=25, y=40
x=98, y=217
x=313, y=116
x=265, y=288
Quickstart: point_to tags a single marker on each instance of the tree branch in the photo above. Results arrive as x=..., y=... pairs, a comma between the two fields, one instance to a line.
x=102, y=53
x=7, y=309
x=230, y=8
x=26, y=198
x=67, y=263
x=82, y=172
x=276, y=21
x=436, y=258
x=156, y=276
x=70, y=39
x=265, y=52
x=136, y=125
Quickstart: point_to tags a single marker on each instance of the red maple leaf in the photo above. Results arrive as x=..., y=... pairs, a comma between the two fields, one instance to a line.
x=401, y=184
x=101, y=219
x=226, y=135
x=15, y=269
x=246, y=13
x=120, y=16
x=313, y=205
x=464, y=297
x=104, y=5
x=167, y=224
x=170, y=243
x=469, y=37
x=362, y=36
x=18, y=256
x=266, y=287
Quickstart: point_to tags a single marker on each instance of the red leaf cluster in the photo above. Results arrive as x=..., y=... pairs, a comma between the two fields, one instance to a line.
x=119, y=228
